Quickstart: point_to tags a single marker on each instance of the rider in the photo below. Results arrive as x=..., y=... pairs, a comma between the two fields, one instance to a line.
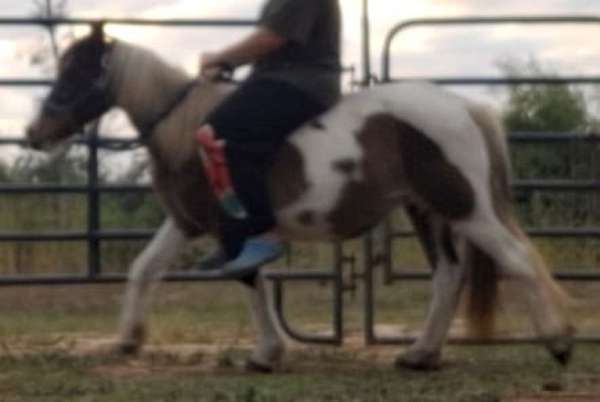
x=295, y=54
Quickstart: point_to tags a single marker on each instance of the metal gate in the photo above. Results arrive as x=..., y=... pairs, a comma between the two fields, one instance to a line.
x=384, y=259
x=94, y=235
x=374, y=262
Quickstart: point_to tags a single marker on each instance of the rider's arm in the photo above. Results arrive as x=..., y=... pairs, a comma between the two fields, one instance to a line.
x=259, y=43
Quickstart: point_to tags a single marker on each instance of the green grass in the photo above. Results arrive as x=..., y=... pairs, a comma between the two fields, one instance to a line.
x=471, y=374
x=41, y=330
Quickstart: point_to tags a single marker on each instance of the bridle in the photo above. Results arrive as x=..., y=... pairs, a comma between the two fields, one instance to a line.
x=98, y=97
x=86, y=105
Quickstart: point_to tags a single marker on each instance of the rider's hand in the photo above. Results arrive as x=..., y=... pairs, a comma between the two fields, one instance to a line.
x=210, y=65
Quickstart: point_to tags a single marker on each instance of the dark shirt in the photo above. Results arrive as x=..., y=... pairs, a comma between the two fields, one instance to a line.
x=310, y=59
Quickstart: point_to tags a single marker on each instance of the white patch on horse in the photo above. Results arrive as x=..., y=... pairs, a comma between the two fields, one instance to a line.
x=439, y=115
x=320, y=149
x=442, y=117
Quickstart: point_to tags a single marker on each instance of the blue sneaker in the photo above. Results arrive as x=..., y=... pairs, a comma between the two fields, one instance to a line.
x=257, y=251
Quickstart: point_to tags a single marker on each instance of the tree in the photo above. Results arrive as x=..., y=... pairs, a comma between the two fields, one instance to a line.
x=550, y=108
x=554, y=108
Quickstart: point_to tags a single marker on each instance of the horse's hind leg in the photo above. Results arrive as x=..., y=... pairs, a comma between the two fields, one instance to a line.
x=270, y=347
x=517, y=260
x=148, y=267
x=448, y=279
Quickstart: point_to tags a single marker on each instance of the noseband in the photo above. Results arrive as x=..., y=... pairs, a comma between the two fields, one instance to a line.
x=84, y=106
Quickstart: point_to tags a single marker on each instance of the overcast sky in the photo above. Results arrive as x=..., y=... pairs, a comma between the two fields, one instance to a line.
x=569, y=50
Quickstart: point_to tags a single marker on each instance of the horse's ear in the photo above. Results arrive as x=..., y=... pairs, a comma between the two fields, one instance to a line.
x=98, y=31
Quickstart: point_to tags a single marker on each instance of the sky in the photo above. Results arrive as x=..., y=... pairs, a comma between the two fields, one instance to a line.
x=419, y=52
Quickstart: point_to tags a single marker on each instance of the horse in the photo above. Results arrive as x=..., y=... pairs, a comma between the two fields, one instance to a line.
x=414, y=145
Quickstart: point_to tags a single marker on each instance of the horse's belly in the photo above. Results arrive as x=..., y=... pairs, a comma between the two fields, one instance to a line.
x=356, y=210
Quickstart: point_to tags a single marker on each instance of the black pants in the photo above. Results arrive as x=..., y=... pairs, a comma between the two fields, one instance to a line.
x=255, y=120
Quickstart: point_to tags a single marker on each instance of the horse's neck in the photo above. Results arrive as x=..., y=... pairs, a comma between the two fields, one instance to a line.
x=145, y=87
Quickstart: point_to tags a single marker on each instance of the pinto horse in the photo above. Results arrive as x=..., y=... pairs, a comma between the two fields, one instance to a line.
x=442, y=157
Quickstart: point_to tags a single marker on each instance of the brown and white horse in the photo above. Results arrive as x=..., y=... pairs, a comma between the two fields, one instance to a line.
x=440, y=156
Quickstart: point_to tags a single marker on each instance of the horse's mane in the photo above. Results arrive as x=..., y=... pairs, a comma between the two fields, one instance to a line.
x=144, y=84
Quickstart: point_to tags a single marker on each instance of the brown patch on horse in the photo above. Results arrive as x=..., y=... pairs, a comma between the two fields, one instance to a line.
x=365, y=202
x=187, y=195
x=421, y=222
x=433, y=178
x=449, y=246
x=398, y=157
x=359, y=208
x=286, y=178
x=346, y=166
x=306, y=218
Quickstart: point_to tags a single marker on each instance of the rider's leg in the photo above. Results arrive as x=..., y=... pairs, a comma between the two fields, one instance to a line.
x=249, y=127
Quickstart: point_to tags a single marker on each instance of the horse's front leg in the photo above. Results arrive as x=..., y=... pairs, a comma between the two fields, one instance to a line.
x=270, y=346
x=448, y=280
x=146, y=270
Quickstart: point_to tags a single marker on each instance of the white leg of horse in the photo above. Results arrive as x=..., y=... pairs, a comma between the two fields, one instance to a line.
x=270, y=347
x=448, y=280
x=517, y=262
x=146, y=270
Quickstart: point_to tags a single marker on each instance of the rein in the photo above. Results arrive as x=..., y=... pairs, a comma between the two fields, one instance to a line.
x=148, y=128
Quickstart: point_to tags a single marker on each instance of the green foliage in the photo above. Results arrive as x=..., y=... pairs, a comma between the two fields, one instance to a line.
x=560, y=109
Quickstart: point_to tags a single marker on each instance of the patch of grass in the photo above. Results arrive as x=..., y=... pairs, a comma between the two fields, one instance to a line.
x=472, y=374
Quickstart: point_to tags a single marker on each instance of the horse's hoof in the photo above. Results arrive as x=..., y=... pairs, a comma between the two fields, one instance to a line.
x=419, y=360
x=561, y=347
x=561, y=350
x=563, y=357
x=253, y=366
x=131, y=344
x=128, y=348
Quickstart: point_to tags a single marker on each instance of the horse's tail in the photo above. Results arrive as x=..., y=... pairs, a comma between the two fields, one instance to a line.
x=481, y=269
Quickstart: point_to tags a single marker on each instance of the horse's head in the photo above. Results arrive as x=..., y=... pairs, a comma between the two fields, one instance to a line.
x=80, y=93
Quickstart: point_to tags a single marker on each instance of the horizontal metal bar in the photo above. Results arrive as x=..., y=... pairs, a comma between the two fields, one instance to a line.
x=517, y=136
x=545, y=137
x=60, y=280
x=130, y=234
x=217, y=23
x=475, y=20
x=556, y=185
x=406, y=340
x=301, y=276
x=535, y=232
x=181, y=276
x=11, y=82
x=134, y=234
x=563, y=274
x=467, y=81
x=71, y=189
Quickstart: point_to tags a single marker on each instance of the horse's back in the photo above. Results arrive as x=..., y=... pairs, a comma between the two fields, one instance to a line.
x=348, y=168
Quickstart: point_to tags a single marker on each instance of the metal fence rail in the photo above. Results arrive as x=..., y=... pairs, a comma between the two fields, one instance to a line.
x=384, y=259
x=94, y=234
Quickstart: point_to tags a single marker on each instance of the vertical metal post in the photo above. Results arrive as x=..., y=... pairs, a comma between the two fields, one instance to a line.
x=366, y=56
x=369, y=299
x=338, y=293
x=93, y=204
